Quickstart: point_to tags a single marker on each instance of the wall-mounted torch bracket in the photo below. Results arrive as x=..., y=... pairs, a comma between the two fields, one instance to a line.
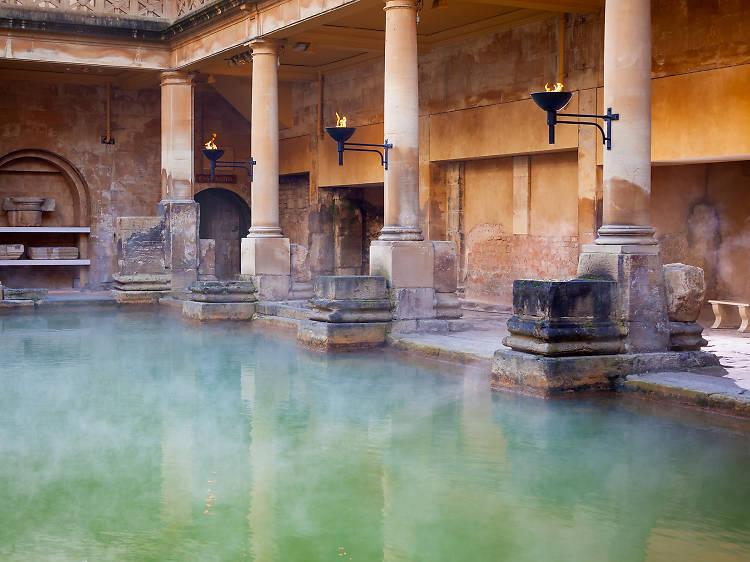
x=342, y=146
x=343, y=134
x=214, y=155
x=552, y=120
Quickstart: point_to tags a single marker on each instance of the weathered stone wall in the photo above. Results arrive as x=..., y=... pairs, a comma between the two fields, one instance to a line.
x=700, y=212
x=122, y=179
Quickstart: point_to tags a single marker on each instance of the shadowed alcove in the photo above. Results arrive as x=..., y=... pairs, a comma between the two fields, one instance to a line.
x=225, y=218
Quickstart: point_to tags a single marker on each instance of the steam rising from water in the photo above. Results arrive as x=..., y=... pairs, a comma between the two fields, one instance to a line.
x=130, y=436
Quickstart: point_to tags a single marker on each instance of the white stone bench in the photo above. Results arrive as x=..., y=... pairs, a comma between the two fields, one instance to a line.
x=720, y=313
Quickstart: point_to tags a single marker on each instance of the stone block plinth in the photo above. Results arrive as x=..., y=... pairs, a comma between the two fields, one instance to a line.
x=265, y=256
x=348, y=313
x=350, y=298
x=141, y=288
x=403, y=263
x=220, y=300
x=547, y=376
x=559, y=318
x=207, y=311
x=267, y=261
x=222, y=291
x=328, y=336
x=640, y=305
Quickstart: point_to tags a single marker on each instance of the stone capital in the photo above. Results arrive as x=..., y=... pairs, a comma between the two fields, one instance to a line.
x=265, y=46
x=177, y=78
x=404, y=4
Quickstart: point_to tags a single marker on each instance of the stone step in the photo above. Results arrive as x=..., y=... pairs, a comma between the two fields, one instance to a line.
x=283, y=310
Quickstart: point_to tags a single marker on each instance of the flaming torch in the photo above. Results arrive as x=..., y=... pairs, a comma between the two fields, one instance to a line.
x=554, y=99
x=341, y=133
x=213, y=153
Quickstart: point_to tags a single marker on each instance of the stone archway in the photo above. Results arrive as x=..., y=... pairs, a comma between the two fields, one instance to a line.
x=225, y=218
x=29, y=163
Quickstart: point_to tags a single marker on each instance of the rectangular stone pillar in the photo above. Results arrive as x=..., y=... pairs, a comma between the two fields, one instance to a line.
x=182, y=240
x=177, y=120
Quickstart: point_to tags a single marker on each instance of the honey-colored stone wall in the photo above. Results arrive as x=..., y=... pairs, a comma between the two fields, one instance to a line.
x=122, y=179
x=700, y=213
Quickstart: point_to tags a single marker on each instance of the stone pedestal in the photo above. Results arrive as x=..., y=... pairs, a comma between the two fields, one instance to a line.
x=408, y=267
x=267, y=262
x=141, y=288
x=220, y=300
x=27, y=211
x=182, y=240
x=685, y=288
x=559, y=318
x=641, y=301
x=349, y=312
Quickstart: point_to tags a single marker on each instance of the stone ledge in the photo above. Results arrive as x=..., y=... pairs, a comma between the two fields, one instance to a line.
x=139, y=297
x=719, y=394
x=329, y=336
x=207, y=311
x=544, y=376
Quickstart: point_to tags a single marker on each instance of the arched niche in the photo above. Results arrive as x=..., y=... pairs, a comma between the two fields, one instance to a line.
x=39, y=173
x=224, y=218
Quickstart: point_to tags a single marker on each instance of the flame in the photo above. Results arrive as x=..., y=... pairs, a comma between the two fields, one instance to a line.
x=556, y=88
x=211, y=145
x=340, y=121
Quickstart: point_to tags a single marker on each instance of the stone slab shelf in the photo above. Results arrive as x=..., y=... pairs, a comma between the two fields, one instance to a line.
x=44, y=262
x=46, y=229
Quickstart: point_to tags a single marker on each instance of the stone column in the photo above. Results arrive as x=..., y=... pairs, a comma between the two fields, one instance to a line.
x=181, y=214
x=627, y=90
x=414, y=269
x=401, y=122
x=176, y=135
x=626, y=250
x=265, y=252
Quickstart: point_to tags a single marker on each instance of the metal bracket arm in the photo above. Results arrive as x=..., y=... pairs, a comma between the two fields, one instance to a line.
x=342, y=146
x=608, y=118
x=248, y=166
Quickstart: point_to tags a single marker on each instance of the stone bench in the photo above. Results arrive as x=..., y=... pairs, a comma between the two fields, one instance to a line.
x=720, y=313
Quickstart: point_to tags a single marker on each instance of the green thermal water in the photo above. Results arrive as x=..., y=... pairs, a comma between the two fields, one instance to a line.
x=131, y=436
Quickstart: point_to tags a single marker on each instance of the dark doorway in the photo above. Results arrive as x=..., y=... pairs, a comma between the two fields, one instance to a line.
x=225, y=217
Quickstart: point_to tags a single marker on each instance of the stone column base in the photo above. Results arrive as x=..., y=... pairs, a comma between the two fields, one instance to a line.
x=546, y=376
x=348, y=313
x=267, y=262
x=341, y=336
x=265, y=256
x=641, y=305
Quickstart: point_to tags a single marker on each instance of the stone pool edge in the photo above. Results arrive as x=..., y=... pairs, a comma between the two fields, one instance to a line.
x=655, y=386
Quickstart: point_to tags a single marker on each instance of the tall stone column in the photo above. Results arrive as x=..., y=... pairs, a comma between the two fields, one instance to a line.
x=421, y=275
x=627, y=90
x=626, y=250
x=401, y=122
x=180, y=212
x=265, y=252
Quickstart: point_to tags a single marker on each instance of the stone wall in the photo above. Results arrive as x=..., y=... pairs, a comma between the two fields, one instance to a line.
x=700, y=212
x=122, y=179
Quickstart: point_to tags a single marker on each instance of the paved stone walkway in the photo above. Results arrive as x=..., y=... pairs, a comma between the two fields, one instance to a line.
x=725, y=388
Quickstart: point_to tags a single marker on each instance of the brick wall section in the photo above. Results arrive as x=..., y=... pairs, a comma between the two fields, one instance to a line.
x=495, y=259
